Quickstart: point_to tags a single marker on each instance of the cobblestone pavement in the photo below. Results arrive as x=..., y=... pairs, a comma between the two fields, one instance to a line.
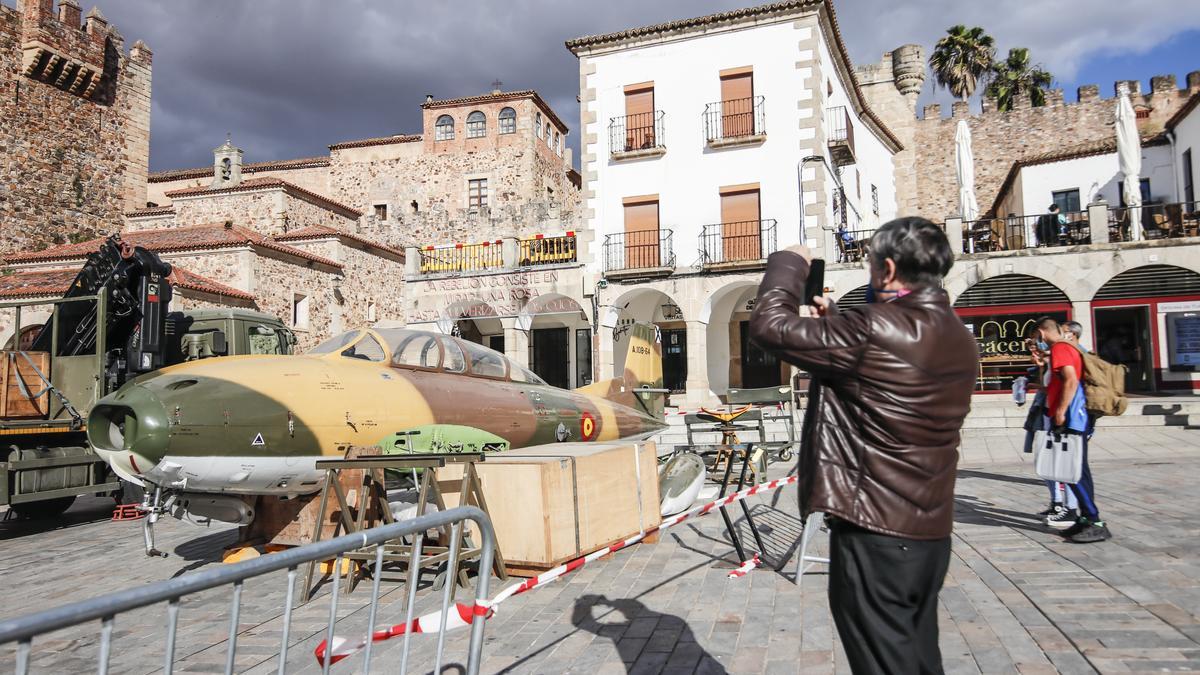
x=1016, y=599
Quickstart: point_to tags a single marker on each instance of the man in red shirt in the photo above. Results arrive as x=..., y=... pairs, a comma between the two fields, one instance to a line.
x=1066, y=366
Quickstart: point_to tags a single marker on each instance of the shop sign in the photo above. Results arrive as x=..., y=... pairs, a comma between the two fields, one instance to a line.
x=1183, y=340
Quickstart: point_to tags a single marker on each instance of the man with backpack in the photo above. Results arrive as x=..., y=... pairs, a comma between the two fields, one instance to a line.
x=1066, y=381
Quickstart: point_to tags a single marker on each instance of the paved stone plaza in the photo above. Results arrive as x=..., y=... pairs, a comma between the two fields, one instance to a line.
x=1017, y=598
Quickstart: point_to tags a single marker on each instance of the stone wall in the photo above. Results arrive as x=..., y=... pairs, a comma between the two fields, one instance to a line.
x=311, y=178
x=891, y=88
x=1001, y=138
x=369, y=279
x=268, y=211
x=74, y=135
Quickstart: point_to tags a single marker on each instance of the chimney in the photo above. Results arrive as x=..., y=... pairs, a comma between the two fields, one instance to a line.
x=933, y=111
x=70, y=13
x=227, y=165
x=1088, y=92
x=428, y=99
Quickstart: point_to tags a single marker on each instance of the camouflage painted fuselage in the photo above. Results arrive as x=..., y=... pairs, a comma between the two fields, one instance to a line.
x=257, y=424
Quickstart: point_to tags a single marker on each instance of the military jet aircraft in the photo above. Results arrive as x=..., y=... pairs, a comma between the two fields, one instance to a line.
x=256, y=425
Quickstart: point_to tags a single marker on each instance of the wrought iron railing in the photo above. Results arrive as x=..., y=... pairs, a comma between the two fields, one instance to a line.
x=735, y=118
x=1159, y=221
x=1069, y=228
x=462, y=257
x=839, y=133
x=640, y=131
x=540, y=250
x=852, y=244
x=744, y=241
x=639, y=250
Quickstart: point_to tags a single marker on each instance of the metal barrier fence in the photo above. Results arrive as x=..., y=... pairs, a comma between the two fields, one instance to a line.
x=1158, y=221
x=105, y=608
x=1069, y=228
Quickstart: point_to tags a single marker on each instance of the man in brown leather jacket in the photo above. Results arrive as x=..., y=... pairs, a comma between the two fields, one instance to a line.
x=891, y=384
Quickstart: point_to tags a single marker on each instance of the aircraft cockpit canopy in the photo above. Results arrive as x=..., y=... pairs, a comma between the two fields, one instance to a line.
x=426, y=351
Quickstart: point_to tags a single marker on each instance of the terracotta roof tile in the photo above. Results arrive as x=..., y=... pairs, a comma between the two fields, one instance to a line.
x=323, y=231
x=192, y=238
x=150, y=211
x=54, y=283
x=206, y=171
x=263, y=182
x=695, y=22
x=381, y=140
x=499, y=97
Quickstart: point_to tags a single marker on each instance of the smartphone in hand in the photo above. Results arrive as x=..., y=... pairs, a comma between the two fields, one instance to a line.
x=815, y=286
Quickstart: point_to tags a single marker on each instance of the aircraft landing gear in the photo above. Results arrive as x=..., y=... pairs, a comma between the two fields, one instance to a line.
x=153, y=507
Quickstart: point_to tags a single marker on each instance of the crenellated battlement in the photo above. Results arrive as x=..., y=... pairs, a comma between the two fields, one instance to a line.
x=74, y=124
x=1154, y=106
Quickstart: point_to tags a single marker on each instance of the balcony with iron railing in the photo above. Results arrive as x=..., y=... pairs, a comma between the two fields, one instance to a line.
x=839, y=133
x=737, y=245
x=1159, y=221
x=637, y=136
x=735, y=122
x=1012, y=233
x=644, y=253
x=490, y=257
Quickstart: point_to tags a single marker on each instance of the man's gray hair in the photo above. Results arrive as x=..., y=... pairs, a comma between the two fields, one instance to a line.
x=919, y=248
x=1075, y=327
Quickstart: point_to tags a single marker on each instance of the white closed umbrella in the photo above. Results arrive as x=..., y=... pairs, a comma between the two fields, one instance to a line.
x=1129, y=159
x=964, y=163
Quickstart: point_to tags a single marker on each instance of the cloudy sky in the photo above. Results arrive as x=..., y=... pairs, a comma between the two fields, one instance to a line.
x=289, y=77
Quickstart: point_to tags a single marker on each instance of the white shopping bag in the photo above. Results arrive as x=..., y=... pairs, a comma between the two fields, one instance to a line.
x=1058, y=456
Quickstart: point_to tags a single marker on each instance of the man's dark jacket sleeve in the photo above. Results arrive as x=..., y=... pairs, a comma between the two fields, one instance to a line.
x=825, y=346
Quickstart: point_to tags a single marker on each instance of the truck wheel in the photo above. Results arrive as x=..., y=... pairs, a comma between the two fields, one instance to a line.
x=47, y=508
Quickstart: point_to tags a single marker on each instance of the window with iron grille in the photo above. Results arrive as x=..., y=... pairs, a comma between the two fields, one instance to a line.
x=476, y=125
x=381, y=212
x=477, y=193
x=444, y=129
x=508, y=121
x=875, y=200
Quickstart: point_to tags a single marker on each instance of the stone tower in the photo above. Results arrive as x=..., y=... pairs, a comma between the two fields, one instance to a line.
x=74, y=125
x=891, y=88
x=227, y=165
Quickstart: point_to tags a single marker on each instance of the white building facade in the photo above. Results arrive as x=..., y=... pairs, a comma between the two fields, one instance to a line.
x=708, y=144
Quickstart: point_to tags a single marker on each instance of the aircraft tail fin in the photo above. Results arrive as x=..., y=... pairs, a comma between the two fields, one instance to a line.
x=641, y=386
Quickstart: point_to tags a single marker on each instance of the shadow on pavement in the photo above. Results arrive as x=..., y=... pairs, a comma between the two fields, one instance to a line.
x=85, y=510
x=664, y=628
x=1020, y=480
x=974, y=511
x=204, y=550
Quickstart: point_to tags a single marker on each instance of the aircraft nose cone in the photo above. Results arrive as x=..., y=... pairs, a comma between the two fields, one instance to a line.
x=129, y=430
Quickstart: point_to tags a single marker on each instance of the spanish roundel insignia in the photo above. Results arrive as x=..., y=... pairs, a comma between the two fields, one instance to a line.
x=587, y=426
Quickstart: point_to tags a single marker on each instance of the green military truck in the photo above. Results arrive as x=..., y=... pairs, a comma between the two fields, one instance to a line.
x=112, y=325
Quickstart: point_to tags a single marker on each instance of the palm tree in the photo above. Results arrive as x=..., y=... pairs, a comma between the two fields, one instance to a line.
x=962, y=59
x=1015, y=77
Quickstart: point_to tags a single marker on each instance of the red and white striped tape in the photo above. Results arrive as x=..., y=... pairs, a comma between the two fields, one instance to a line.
x=745, y=568
x=465, y=614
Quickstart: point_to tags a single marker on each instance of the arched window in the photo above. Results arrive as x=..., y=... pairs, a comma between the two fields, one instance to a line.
x=476, y=125
x=508, y=121
x=549, y=136
x=444, y=129
x=558, y=142
x=537, y=125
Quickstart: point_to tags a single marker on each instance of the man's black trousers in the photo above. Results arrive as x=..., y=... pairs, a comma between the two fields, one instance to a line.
x=883, y=593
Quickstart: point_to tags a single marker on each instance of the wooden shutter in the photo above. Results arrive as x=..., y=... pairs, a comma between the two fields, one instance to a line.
x=639, y=116
x=737, y=102
x=740, y=231
x=641, y=232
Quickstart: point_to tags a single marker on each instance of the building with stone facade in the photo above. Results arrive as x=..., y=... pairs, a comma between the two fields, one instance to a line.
x=484, y=200
x=262, y=243
x=708, y=144
x=74, y=124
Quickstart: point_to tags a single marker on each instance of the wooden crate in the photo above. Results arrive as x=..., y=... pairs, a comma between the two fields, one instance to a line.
x=15, y=370
x=554, y=503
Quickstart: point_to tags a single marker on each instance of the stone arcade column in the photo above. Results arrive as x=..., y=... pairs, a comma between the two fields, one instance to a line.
x=698, y=389
x=1098, y=223
x=516, y=342
x=1081, y=311
x=954, y=232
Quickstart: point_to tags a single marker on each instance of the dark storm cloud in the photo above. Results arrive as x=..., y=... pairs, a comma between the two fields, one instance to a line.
x=289, y=77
